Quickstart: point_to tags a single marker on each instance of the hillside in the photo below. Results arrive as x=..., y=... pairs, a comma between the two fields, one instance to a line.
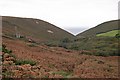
x=109, y=33
x=95, y=57
x=25, y=61
x=33, y=28
x=101, y=28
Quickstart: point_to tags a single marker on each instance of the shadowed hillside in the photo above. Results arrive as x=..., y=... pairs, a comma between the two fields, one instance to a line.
x=33, y=28
x=101, y=28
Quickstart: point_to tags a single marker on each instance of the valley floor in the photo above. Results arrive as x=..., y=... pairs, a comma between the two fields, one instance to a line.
x=56, y=62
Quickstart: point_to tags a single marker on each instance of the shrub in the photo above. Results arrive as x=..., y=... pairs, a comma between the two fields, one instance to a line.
x=66, y=40
x=87, y=53
x=32, y=45
x=7, y=74
x=106, y=52
x=63, y=73
x=3, y=46
x=64, y=45
x=22, y=62
x=74, y=47
x=117, y=35
x=101, y=53
x=6, y=50
x=51, y=44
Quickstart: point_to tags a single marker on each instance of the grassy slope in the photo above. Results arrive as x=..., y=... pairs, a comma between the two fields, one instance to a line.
x=104, y=27
x=110, y=33
x=33, y=28
x=100, y=46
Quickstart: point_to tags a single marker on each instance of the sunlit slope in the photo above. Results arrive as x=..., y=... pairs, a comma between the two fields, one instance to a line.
x=109, y=33
x=101, y=28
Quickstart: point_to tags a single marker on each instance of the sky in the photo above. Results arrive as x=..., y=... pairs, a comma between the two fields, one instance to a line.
x=74, y=16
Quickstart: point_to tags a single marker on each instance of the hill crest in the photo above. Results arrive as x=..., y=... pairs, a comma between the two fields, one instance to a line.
x=34, y=28
x=101, y=28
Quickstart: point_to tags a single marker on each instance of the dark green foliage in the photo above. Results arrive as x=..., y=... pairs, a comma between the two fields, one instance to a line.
x=64, y=45
x=3, y=46
x=52, y=43
x=32, y=45
x=22, y=62
x=22, y=37
x=7, y=74
x=6, y=50
x=99, y=46
x=101, y=53
x=65, y=40
x=117, y=35
x=61, y=43
x=74, y=46
x=87, y=53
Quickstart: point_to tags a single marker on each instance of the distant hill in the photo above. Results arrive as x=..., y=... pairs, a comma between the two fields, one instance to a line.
x=101, y=28
x=33, y=28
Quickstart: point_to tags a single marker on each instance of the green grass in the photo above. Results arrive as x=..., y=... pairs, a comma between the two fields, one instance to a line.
x=110, y=33
x=22, y=62
x=63, y=73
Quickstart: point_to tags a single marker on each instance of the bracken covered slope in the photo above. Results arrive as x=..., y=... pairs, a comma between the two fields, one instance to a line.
x=55, y=62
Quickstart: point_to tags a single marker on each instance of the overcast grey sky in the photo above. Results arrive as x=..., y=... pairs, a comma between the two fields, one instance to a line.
x=67, y=14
